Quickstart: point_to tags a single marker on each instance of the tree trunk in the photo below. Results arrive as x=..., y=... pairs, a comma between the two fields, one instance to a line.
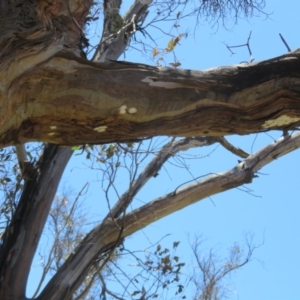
x=21, y=238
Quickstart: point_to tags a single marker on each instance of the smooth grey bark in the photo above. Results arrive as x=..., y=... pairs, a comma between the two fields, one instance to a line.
x=167, y=151
x=117, y=30
x=106, y=235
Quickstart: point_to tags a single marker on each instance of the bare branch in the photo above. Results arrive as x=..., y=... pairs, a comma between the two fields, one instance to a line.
x=247, y=44
x=154, y=166
x=285, y=43
x=117, y=30
x=103, y=238
x=106, y=290
x=231, y=148
x=213, y=270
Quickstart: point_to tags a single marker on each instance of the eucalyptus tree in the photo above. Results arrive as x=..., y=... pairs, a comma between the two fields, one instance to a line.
x=50, y=92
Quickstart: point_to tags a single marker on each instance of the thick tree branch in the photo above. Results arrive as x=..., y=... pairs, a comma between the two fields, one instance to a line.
x=100, y=239
x=21, y=238
x=243, y=173
x=79, y=102
x=167, y=151
x=117, y=30
x=50, y=93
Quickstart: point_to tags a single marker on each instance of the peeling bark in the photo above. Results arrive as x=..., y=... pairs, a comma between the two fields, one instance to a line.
x=68, y=100
x=49, y=92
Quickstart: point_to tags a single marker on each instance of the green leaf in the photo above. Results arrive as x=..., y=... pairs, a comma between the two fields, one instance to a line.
x=74, y=148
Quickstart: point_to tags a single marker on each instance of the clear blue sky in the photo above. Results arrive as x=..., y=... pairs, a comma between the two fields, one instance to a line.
x=271, y=214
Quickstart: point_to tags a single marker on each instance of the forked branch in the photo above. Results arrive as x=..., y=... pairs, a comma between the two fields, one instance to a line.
x=102, y=238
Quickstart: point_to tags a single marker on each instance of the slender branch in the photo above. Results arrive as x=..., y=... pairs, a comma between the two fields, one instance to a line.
x=167, y=151
x=46, y=268
x=285, y=43
x=247, y=44
x=231, y=148
x=213, y=269
x=106, y=290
